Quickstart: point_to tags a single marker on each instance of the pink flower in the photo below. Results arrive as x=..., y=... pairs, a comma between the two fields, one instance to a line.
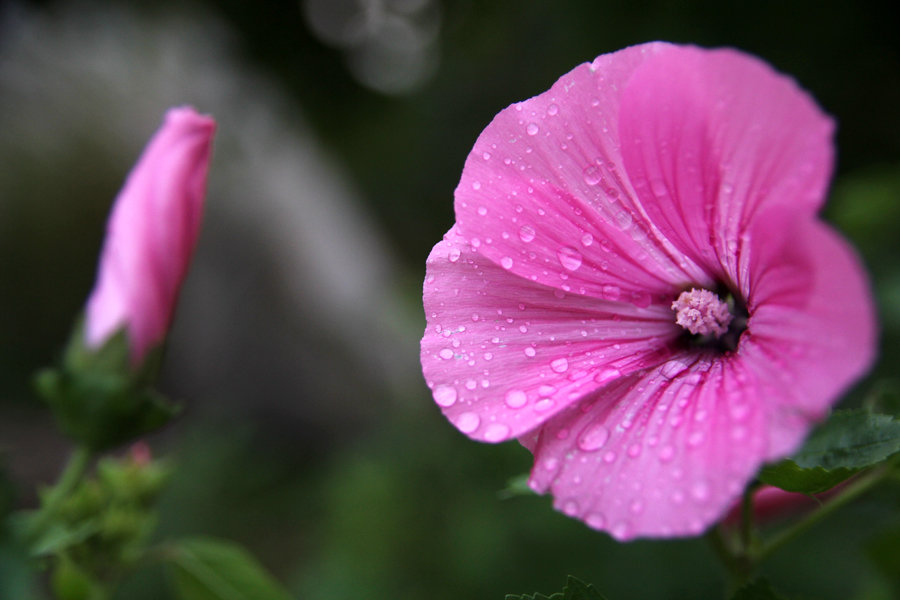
x=151, y=235
x=637, y=286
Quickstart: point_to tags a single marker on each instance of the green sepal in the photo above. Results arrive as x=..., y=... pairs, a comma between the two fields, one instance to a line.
x=757, y=590
x=71, y=582
x=211, y=569
x=99, y=399
x=848, y=442
x=575, y=589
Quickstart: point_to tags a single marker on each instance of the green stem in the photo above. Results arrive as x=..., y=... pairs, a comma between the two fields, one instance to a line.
x=70, y=477
x=68, y=480
x=855, y=489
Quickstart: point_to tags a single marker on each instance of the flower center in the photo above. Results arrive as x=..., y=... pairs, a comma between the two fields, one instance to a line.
x=702, y=312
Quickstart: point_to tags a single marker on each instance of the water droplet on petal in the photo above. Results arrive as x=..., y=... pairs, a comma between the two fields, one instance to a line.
x=482, y=211
x=634, y=451
x=552, y=109
x=445, y=395
x=550, y=464
x=529, y=352
x=666, y=453
x=559, y=365
x=696, y=438
x=468, y=422
x=506, y=262
x=587, y=239
x=607, y=374
x=532, y=129
x=516, y=399
x=526, y=233
x=496, y=432
x=611, y=292
x=624, y=219
x=446, y=353
x=596, y=520
x=570, y=507
x=620, y=531
x=591, y=175
x=593, y=438
x=700, y=491
x=476, y=185
x=543, y=405
x=637, y=507
x=569, y=258
x=453, y=255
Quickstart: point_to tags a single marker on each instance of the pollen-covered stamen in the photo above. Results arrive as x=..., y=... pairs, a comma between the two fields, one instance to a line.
x=702, y=312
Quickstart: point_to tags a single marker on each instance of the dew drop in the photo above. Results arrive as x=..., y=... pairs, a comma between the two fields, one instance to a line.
x=587, y=239
x=496, y=432
x=700, y=491
x=607, y=374
x=611, y=292
x=445, y=395
x=486, y=156
x=666, y=453
x=482, y=211
x=637, y=507
x=516, y=398
x=526, y=233
x=446, y=353
x=591, y=175
x=624, y=219
x=609, y=457
x=620, y=531
x=467, y=422
x=695, y=439
x=544, y=405
x=552, y=109
x=529, y=352
x=570, y=507
x=559, y=365
x=551, y=464
x=596, y=520
x=634, y=451
x=453, y=255
x=569, y=258
x=506, y=262
x=532, y=129
x=593, y=438
x=476, y=185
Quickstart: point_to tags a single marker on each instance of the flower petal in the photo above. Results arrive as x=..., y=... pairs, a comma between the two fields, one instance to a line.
x=545, y=193
x=661, y=453
x=812, y=327
x=503, y=354
x=151, y=233
x=712, y=137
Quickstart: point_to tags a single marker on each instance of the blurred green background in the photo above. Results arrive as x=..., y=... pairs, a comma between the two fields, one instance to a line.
x=309, y=435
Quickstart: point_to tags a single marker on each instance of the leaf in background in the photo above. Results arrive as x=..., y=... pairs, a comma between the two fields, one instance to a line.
x=846, y=443
x=210, y=569
x=575, y=590
x=883, y=552
x=757, y=590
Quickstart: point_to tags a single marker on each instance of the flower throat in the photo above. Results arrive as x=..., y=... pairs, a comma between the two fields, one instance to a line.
x=708, y=320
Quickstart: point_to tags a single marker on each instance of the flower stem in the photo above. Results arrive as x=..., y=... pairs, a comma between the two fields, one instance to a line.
x=855, y=489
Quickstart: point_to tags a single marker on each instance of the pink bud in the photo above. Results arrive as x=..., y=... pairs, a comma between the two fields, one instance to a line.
x=151, y=234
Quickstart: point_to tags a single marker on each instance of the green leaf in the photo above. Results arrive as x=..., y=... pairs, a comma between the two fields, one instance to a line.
x=847, y=443
x=757, y=590
x=575, y=590
x=210, y=569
